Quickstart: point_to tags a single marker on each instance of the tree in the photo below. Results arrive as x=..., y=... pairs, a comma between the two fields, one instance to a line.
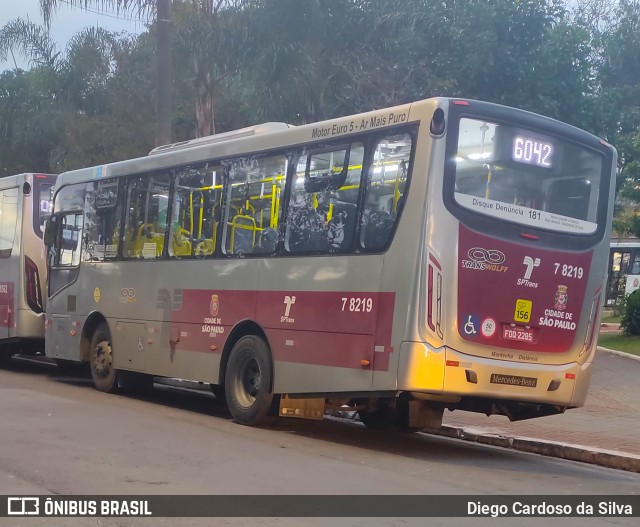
x=28, y=122
x=209, y=47
x=206, y=42
x=84, y=106
x=163, y=59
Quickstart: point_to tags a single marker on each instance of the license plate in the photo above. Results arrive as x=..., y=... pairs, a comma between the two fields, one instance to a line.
x=518, y=334
x=513, y=380
x=523, y=310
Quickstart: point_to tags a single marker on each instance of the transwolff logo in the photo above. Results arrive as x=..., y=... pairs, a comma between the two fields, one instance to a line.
x=485, y=260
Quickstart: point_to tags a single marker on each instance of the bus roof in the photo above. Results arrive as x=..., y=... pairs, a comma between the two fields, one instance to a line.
x=225, y=136
x=16, y=179
x=625, y=243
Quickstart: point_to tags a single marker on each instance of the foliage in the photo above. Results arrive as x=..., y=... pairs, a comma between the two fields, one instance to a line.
x=630, y=323
x=239, y=62
x=142, y=8
x=208, y=47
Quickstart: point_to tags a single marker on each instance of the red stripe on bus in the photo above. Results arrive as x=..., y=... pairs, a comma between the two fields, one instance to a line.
x=323, y=328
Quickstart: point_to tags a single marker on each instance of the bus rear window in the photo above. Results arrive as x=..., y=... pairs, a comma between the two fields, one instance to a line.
x=523, y=176
x=42, y=205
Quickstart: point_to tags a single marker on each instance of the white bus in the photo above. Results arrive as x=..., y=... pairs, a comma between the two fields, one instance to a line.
x=441, y=254
x=25, y=204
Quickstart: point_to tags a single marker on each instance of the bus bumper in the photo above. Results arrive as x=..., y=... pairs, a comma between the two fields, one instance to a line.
x=447, y=374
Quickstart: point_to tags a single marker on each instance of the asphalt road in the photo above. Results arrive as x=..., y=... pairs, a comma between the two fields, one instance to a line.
x=60, y=436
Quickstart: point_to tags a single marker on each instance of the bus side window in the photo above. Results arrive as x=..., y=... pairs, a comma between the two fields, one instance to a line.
x=385, y=193
x=322, y=210
x=253, y=204
x=146, y=218
x=195, y=207
x=103, y=213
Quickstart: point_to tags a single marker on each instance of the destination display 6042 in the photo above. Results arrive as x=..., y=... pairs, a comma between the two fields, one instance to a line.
x=532, y=151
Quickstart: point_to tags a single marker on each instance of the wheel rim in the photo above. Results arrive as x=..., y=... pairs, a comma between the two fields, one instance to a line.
x=247, y=382
x=103, y=359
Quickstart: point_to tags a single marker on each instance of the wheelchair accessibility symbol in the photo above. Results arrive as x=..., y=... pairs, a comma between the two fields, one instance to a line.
x=471, y=325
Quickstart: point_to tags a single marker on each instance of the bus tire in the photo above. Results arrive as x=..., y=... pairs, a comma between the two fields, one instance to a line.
x=248, y=381
x=103, y=374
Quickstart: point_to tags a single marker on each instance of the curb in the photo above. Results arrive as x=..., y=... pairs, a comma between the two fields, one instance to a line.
x=619, y=353
x=594, y=456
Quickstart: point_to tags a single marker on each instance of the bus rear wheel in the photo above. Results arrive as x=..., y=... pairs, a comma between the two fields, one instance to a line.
x=103, y=373
x=248, y=381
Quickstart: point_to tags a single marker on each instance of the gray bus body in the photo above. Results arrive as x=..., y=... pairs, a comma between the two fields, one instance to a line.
x=25, y=203
x=382, y=292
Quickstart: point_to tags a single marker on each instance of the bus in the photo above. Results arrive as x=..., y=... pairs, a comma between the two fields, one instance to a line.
x=25, y=205
x=624, y=269
x=442, y=254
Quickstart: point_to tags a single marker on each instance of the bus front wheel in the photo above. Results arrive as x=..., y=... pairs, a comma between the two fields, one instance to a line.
x=103, y=373
x=248, y=381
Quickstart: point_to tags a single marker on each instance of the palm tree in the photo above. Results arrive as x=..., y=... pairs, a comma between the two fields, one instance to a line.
x=29, y=40
x=143, y=9
x=204, y=40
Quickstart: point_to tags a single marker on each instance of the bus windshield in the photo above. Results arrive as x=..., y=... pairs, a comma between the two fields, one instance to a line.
x=520, y=175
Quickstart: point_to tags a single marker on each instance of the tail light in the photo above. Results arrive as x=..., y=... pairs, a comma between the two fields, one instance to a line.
x=32, y=284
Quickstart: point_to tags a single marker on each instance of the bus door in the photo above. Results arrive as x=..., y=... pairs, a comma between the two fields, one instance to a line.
x=9, y=257
x=64, y=241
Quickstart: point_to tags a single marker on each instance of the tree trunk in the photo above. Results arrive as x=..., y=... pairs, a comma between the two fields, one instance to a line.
x=164, y=112
x=204, y=106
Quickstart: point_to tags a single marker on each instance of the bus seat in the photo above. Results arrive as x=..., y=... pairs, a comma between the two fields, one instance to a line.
x=377, y=231
x=268, y=241
x=341, y=226
x=243, y=234
x=180, y=243
x=141, y=236
x=306, y=233
x=207, y=246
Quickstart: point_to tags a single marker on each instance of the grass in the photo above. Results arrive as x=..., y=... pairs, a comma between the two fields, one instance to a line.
x=610, y=319
x=620, y=342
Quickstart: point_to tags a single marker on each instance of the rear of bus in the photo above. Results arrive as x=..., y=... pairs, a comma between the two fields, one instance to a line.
x=37, y=192
x=517, y=246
